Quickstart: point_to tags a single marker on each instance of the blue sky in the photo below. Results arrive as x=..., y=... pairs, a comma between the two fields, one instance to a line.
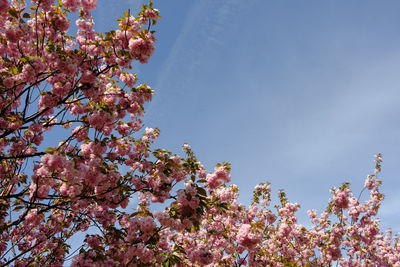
x=298, y=93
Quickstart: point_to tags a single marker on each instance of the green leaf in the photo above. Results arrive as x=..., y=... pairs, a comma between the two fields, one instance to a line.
x=50, y=150
x=201, y=191
x=18, y=208
x=14, y=70
x=26, y=15
x=13, y=13
x=166, y=263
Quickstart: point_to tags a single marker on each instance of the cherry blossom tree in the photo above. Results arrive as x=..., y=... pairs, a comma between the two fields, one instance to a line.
x=79, y=89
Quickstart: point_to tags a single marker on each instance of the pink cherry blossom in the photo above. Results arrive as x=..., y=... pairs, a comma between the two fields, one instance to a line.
x=4, y=4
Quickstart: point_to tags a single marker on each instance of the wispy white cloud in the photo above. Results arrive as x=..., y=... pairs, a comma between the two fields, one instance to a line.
x=199, y=37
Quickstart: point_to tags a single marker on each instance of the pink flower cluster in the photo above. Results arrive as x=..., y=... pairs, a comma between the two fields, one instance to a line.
x=246, y=237
x=4, y=4
x=221, y=175
x=142, y=49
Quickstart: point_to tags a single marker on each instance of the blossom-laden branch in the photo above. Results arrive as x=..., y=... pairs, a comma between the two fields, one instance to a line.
x=79, y=87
